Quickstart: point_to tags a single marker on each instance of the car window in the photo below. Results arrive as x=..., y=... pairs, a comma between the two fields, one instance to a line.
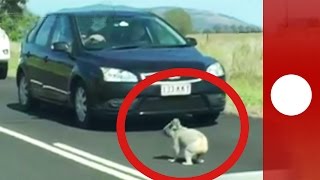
x=101, y=31
x=33, y=31
x=44, y=32
x=62, y=31
x=31, y=34
x=162, y=33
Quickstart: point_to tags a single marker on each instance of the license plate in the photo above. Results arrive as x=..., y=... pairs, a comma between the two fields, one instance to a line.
x=175, y=90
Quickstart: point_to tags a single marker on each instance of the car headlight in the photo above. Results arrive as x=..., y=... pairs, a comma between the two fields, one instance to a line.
x=118, y=75
x=216, y=69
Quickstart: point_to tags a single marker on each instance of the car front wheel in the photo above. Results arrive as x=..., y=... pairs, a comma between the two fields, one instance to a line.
x=81, y=106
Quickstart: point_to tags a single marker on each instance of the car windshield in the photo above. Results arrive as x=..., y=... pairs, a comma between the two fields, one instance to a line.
x=124, y=32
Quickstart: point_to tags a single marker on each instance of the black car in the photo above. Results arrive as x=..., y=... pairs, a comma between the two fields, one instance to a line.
x=90, y=60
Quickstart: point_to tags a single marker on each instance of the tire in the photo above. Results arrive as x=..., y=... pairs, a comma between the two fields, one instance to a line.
x=26, y=101
x=207, y=117
x=81, y=104
x=4, y=72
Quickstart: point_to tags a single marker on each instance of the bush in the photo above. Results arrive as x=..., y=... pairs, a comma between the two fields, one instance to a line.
x=17, y=25
x=179, y=19
x=241, y=55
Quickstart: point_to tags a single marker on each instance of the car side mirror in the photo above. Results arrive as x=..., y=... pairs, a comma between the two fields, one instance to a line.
x=61, y=46
x=192, y=41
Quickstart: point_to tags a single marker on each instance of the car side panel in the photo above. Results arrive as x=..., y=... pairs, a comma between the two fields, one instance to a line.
x=59, y=65
x=58, y=71
x=33, y=68
x=34, y=58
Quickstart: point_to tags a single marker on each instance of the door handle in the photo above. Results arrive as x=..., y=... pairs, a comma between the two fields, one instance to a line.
x=45, y=58
x=28, y=54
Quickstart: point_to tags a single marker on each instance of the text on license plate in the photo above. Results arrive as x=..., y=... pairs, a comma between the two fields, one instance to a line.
x=175, y=89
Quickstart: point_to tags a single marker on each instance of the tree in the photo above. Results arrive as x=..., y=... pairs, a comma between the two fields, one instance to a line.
x=12, y=6
x=249, y=29
x=234, y=29
x=227, y=29
x=179, y=19
x=242, y=29
x=15, y=19
x=218, y=28
x=257, y=30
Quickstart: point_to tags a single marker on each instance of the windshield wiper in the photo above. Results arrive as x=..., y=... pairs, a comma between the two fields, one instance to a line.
x=169, y=46
x=128, y=47
x=135, y=46
x=179, y=45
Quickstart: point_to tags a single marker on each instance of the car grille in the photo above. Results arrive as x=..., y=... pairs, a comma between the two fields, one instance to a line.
x=177, y=79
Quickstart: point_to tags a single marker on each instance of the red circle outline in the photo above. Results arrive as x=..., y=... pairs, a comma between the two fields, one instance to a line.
x=188, y=72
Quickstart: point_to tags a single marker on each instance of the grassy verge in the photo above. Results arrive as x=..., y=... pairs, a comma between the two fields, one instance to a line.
x=241, y=54
x=15, y=48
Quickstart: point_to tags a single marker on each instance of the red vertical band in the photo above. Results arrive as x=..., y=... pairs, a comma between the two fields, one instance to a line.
x=291, y=46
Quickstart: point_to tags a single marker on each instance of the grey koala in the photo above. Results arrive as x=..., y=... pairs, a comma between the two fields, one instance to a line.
x=194, y=143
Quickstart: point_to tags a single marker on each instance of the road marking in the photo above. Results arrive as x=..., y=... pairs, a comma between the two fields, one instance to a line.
x=101, y=160
x=67, y=155
x=250, y=175
x=254, y=175
x=257, y=175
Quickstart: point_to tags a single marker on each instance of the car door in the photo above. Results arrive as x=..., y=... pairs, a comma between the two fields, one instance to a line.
x=36, y=53
x=60, y=64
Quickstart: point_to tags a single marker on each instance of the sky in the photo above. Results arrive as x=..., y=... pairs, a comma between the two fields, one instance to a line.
x=249, y=11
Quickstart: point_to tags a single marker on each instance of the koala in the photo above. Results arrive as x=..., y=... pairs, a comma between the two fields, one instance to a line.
x=193, y=142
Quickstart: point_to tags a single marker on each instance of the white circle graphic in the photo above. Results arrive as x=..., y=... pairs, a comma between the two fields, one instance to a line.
x=291, y=95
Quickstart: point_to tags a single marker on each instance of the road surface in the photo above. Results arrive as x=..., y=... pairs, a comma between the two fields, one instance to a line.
x=44, y=144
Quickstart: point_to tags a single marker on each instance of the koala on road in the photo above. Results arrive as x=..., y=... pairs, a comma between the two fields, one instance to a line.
x=191, y=141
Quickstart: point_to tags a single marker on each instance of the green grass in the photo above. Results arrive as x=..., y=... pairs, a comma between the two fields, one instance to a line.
x=241, y=55
x=15, y=53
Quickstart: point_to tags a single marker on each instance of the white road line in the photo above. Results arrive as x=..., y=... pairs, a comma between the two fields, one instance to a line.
x=101, y=160
x=250, y=175
x=75, y=155
x=67, y=155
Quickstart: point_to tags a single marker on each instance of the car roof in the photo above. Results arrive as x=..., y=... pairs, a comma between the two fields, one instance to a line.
x=2, y=31
x=104, y=11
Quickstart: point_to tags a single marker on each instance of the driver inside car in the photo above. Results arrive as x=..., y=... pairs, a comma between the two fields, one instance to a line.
x=98, y=31
x=139, y=35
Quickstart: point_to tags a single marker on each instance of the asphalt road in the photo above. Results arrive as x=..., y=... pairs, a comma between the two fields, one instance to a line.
x=44, y=144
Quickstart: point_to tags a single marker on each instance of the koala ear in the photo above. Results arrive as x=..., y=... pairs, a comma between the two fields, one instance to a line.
x=176, y=122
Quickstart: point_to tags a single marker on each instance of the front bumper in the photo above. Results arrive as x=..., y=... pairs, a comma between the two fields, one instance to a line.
x=207, y=103
x=205, y=98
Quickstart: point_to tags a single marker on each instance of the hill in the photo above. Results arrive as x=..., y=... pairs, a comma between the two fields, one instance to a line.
x=202, y=20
